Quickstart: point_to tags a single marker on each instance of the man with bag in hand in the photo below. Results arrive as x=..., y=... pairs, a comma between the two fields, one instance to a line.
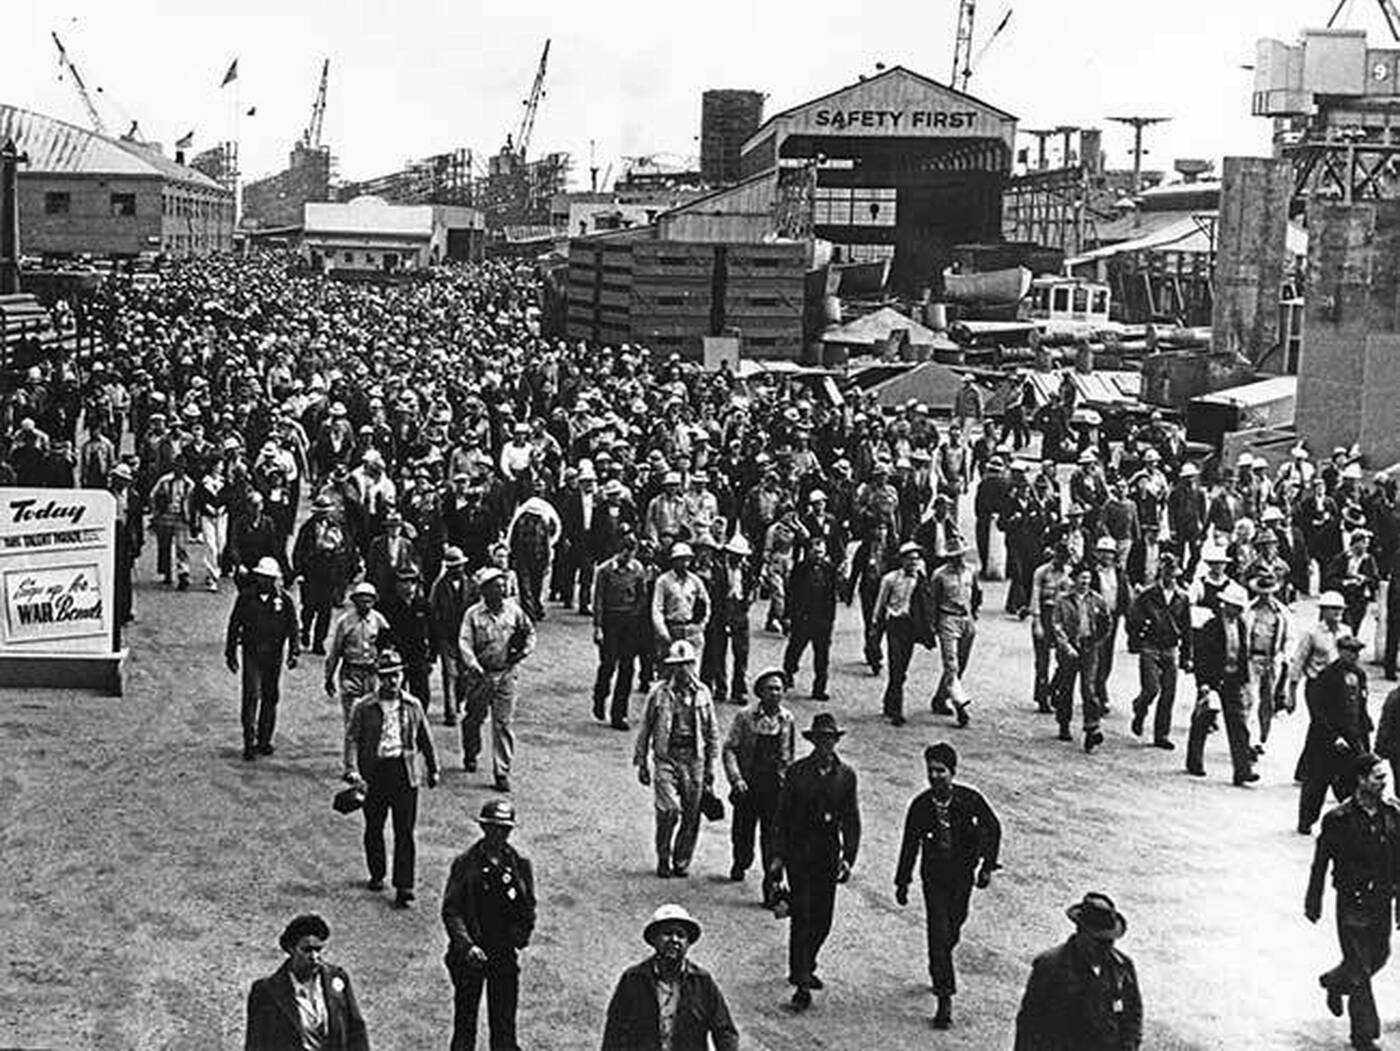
x=679, y=738
x=959, y=838
x=488, y=909
x=1360, y=841
x=757, y=753
x=263, y=622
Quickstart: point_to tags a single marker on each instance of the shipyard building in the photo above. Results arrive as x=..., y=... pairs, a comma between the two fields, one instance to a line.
x=86, y=194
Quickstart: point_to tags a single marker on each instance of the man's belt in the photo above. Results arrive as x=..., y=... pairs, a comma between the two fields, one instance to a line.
x=355, y=666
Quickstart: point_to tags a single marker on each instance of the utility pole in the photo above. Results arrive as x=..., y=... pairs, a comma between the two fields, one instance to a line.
x=10, y=160
x=1138, y=124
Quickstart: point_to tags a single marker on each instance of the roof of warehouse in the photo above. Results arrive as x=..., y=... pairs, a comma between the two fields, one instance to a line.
x=55, y=146
x=891, y=72
x=368, y=215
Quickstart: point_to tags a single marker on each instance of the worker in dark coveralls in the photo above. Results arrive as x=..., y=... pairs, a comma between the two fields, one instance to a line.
x=1360, y=840
x=304, y=1003
x=667, y=1003
x=263, y=624
x=1339, y=730
x=756, y=754
x=959, y=838
x=1083, y=995
x=818, y=837
x=488, y=909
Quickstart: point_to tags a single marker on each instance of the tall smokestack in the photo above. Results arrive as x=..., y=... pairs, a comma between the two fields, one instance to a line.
x=10, y=160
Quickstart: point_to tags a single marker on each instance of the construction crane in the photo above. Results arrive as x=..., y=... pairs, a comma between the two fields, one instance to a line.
x=94, y=118
x=986, y=44
x=1388, y=11
x=311, y=137
x=1138, y=124
x=962, y=46
x=532, y=106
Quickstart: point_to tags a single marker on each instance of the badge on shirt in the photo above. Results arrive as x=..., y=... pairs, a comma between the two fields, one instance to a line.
x=338, y=984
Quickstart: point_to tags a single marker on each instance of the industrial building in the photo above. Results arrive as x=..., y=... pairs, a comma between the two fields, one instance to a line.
x=83, y=193
x=371, y=236
x=277, y=201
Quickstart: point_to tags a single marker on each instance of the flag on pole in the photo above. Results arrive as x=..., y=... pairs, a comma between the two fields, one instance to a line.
x=231, y=75
x=185, y=141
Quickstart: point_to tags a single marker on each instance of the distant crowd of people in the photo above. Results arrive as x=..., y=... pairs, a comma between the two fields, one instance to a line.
x=401, y=479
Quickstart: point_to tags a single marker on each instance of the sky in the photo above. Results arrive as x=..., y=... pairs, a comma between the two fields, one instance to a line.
x=410, y=78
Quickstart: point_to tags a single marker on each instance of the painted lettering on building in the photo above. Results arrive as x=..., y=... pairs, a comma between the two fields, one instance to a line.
x=895, y=120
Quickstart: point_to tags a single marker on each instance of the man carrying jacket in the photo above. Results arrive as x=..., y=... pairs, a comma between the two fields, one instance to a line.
x=488, y=909
x=959, y=838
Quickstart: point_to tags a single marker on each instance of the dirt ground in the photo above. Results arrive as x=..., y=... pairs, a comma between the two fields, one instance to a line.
x=150, y=870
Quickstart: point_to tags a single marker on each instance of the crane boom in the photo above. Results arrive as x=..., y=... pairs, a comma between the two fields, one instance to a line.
x=94, y=118
x=311, y=137
x=962, y=47
x=1388, y=10
x=532, y=106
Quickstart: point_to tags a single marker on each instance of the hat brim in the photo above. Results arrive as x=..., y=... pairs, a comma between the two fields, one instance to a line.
x=691, y=927
x=812, y=735
x=1076, y=911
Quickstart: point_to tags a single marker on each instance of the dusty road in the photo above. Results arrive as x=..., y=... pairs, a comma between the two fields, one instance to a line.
x=149, y=870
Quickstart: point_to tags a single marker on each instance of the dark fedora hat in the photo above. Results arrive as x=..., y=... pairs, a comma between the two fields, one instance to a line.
x=823, y=725
x=1097, y=914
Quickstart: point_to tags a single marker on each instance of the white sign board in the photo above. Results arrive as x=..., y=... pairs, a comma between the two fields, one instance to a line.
x=57, y=561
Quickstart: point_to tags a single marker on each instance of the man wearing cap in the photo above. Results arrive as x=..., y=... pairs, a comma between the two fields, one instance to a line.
x=955, y=598
x=389, y=552
x=324, y=559
x=893, y=618
x=620, y=613
x=1083, y=995
x=578, y=508
x=1316, y=650
x=988, y=502
x=496, y=635
x=170, y=517
x=811, y=614
x=1267, y=623
x=354, y=649
x=665, y=515
x=263, y=623
x=1159, y=631
x=781, y=544
x=816, y=842
x=1080, y=625
x=760, y=747
x=1339, y=729
x=1023, y=522
x=386, y=735
x=1186, y=517
x=410, y=620
x=488, y=908
x=959, y=837
x=666, y=1002
x=532, y=534
x=448, y=600
x=1221, y=658
x=129, y=537
x=675, y=753
x=1049, y=582
x=680, y=605
x=305, y=1002
x=1360, y=842
x=1111, y=582
x=953, y=467
x=1354, y=574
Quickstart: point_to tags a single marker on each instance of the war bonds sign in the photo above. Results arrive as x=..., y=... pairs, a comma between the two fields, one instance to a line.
x=57, y=551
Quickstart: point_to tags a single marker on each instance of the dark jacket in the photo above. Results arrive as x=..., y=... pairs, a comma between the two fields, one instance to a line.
x=1365, y=865
x=974, y=835
x=811, y=592
x=818, y=820
x=273, y=1022
x=1210, y=654
x=486, y=903
x=1339, y=727
x=1157, y=624
x=410, y=627
x=366, y=725
x=1387, y=743
x=634, y=1018
x=1067, y=1007
x=262, y=623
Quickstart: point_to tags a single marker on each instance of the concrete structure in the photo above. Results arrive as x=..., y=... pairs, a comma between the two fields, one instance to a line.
x=1349, y=375
x=727, y=120
x=88, y=194
x=894, y=166
x=370, y=236
x=277, y=201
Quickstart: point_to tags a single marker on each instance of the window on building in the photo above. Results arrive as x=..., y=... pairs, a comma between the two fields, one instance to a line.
x=58, y=202
x=349, y=257
x=1060, y=302
x=867, y=253
x=1081, y=299
x=123, y=205
x=1100, y=301
x=854, y=206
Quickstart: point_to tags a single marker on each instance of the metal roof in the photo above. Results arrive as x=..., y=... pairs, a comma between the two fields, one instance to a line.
x=368, y=215
x=55, y=146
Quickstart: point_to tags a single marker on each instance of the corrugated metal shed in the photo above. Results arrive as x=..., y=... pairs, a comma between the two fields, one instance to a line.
x=1097, y=388
x=55, y=146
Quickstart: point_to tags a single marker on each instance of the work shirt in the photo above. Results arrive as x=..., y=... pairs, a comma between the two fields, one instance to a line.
x=678, y=601
x=1267, y=628
x=311, y=1010
x=1317, y=648
x=356, y=639
x=619, y=591
x=485, y=636
x=895, y=595
x=391, y=737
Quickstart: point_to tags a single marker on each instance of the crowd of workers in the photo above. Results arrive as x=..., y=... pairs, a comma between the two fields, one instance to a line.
x=459, y=472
